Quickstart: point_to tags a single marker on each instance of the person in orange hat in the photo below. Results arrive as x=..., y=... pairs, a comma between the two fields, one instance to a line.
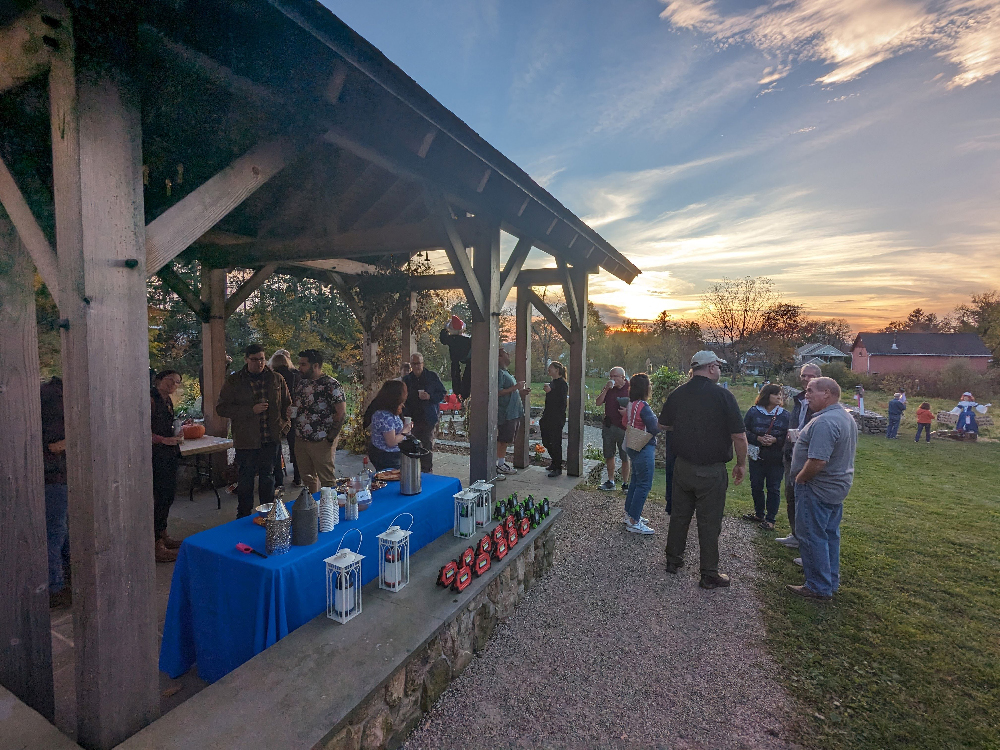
x=459, y=344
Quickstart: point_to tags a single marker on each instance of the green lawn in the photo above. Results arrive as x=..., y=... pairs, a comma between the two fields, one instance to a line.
x=908, y=655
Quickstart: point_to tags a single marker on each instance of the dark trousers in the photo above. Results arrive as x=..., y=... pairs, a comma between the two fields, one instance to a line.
x=923, y=426
x=259, y=463
x=770, y=475
x=279, y=471
x=697, y=490
x=552, y=440
x=789, y=494
x=669, y=471
x=165, y=461
x=892, y=428
x=57, y=533
x=424, y=432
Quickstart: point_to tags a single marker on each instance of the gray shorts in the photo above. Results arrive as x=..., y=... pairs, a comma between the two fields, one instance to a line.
x=507, y=431
x=614, y=439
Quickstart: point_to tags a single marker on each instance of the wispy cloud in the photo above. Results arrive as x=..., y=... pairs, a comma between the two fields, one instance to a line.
x=853, y=35
x=818, y=256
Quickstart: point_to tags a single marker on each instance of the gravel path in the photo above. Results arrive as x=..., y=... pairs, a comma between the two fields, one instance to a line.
x=609, y=650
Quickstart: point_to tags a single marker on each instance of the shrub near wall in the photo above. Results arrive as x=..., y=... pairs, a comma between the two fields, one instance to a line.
x=951, y=382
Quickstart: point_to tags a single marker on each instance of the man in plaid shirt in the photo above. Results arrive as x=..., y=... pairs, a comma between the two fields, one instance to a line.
x=321, y=407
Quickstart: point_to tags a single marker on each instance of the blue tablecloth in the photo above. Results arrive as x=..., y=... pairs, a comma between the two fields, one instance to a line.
x=225, y=606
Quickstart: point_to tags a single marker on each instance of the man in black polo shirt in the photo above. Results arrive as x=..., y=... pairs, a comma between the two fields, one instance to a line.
x=705, y=424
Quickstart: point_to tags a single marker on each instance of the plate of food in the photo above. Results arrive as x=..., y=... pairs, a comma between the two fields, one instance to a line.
x=389, y=475
x=378, y=484
x=260, y=520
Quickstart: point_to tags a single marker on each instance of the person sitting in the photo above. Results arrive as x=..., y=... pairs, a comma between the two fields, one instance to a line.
x=767, y=426
x=386, y=426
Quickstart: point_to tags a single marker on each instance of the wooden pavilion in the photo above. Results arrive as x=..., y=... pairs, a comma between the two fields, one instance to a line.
x=249, y=134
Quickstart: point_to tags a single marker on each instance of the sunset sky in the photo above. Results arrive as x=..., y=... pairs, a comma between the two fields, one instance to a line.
x=848, y=149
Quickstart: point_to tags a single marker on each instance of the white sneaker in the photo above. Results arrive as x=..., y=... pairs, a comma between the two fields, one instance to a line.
x=506, y=468
x=640, y=528
x=628, y=521
x=798, y=561
x=788, y=541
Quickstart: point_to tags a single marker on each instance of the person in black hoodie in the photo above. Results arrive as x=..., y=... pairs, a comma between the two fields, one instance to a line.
x=767, y=426
x=459, y=352
x=281, y=363
x=554, y=416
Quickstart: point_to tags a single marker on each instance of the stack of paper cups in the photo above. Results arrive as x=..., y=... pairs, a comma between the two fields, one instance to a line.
x=329, y=509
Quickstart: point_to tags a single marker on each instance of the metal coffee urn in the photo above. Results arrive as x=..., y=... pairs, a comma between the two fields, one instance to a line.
x=409, y=465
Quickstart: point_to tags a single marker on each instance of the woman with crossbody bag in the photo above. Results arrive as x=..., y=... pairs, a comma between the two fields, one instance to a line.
x=641, y=428
x=767, y=426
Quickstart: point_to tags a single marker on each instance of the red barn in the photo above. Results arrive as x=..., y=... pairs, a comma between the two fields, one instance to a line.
x=917, y=352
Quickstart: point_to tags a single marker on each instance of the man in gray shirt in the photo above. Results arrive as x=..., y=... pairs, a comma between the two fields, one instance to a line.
x=823, y=467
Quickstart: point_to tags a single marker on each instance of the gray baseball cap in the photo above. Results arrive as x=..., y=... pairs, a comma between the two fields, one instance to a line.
x=705, y=357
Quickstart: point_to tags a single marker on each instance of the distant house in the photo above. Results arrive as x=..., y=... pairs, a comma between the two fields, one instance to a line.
x=819, y=354
x=917, y=352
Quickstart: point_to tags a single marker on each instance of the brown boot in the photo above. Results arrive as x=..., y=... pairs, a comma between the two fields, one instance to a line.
x=164, y=555
x=169, y=542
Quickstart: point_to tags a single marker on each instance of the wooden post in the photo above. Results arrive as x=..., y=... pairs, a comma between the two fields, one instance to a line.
x=408, y=340
x=100, y=239
x=522, y=371
x=369, y=362
x=26, y=656
x=213, y=348
x=485, y=330
x=577, y=372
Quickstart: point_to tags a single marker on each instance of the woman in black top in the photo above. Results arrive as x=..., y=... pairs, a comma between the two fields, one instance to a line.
x=554, y=416
x=166, y=457
x=282, y=365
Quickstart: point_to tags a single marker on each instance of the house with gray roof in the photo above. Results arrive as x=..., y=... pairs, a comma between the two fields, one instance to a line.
x=883, y=353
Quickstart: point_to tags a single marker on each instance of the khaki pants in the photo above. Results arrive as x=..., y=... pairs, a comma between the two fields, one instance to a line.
x=315, y=463
x=702, y=490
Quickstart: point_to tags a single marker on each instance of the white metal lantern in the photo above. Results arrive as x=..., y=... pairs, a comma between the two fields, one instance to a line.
x=465, y=513
x=484, y=501
x=394, y=556
x=343, y=582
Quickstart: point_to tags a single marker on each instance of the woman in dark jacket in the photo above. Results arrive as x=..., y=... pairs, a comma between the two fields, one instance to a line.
x=767, y=427
x=282, y=365
x=166, y=457
x=554, y=417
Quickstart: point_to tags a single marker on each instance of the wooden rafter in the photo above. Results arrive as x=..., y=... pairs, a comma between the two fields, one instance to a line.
x=178, y=286
x=390, y=316
x=347, y=294
x=457, y=254
x=549, y=315
x=180, y=225
x=248, y=287
x=387, y=205
x=513, y=268
x=571, y=302
x=30, y=233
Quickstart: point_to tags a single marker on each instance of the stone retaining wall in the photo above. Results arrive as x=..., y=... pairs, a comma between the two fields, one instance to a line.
x=388, y=715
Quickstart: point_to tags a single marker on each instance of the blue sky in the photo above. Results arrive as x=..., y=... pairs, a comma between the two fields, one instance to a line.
x=848, y=149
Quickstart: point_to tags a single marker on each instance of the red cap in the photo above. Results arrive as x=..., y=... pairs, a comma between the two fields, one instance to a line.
x=457, y=324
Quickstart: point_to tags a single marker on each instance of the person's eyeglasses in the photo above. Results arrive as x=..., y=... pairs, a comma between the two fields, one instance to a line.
x=256, y=359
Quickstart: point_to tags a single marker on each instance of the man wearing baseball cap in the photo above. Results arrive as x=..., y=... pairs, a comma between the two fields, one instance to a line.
x=705, y=425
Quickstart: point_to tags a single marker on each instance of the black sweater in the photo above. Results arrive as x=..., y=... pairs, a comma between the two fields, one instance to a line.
x=555, y=403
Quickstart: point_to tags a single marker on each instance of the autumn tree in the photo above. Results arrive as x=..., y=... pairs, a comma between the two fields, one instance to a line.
x=919, y=322
x=735, y=315
x=981, y=315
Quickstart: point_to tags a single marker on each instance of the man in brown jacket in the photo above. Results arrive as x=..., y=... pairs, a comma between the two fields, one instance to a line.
x=256, y=400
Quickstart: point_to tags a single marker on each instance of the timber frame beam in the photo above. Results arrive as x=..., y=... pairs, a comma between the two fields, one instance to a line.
x=459, y=256
x=178, y=286
x=548, y=314
x=513, y=268
x=28, y=44
x=32, y=237
x=248, y=287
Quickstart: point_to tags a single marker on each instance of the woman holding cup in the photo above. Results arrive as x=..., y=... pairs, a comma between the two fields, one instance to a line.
x=387, y=427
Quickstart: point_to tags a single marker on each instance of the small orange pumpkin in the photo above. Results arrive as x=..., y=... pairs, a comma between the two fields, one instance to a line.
x=193, y=431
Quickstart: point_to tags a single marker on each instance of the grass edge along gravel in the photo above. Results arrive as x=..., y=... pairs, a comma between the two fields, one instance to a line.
x=908, y=654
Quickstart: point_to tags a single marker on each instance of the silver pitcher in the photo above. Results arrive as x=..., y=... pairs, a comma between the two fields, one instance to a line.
x=410, y=451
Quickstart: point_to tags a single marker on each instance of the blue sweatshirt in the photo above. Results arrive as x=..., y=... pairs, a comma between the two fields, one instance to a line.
x=896, y=408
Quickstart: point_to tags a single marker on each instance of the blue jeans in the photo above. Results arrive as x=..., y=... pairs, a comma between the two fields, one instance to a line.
x=893, y=428
x=922, y=426
x=641, y=480
x=57, y=533
x=817, y=527
x=768, y=474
